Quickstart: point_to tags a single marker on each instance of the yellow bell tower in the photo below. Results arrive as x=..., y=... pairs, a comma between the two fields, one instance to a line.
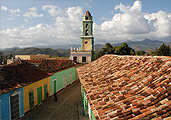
x=85, y=54
x=87, y=32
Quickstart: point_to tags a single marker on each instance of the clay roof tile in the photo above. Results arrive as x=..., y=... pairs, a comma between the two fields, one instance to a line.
x=137, y=87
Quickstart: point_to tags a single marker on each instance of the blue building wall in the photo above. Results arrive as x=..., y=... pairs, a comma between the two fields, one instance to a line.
x=5, y=104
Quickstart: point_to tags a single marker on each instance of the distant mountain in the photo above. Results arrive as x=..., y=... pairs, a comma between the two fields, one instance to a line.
x=61, y=46
x=32, y=51
x=64, y=50
x=145, y=44
x=98, y=47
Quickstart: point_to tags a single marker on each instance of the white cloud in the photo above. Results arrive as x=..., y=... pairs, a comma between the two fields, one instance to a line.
x=4, y=8
x=74, y=12
x=53, y=10
x=133, y=24
x=15, y=12
x=12, y=11
x=130, y=23
x=32, y=13
x=104, y=18
x=66, y=30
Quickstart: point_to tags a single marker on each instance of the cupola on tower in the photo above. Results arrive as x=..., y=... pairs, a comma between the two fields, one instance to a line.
x=85, y=54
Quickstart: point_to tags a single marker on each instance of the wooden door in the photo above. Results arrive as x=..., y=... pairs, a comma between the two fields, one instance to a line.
x=64, y=81
x=54, y=86
x=39, y=95
x=45, y=91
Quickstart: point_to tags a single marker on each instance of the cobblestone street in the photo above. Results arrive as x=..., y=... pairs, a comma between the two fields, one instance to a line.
x=65, y=108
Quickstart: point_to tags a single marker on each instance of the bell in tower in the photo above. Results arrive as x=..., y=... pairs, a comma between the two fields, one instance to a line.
x=86, y=53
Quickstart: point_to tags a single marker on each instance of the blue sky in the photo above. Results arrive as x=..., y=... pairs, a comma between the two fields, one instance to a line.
x=26, y=23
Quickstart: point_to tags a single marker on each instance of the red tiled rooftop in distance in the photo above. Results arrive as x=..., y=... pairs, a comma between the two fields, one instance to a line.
x=33, y=61
x=51, y=66
x=128, y=87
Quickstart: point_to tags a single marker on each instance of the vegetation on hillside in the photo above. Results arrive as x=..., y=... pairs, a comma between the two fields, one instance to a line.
x=34, y=51
x=4, y=57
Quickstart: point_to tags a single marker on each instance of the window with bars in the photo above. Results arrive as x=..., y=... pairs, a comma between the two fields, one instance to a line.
x=15, y=107
x=75, y=59
x=31, y=100
x=83, y=59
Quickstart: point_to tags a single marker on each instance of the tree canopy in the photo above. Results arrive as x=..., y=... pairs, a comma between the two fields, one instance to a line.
x=140, y=52
x=124, y=49
x=164, y=50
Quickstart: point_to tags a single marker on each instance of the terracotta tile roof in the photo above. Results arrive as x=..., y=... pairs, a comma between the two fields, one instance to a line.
x=15, y=76
x=51, y=66
x=33, y=61
x=128, y=87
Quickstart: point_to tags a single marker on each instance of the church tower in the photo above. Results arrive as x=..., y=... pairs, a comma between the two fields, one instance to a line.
x=85, y=54
x=87, y=39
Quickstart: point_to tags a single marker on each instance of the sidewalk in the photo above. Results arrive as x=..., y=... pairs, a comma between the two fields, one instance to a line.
x=81, y=111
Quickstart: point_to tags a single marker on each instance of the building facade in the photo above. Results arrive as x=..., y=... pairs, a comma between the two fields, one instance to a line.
x=62, y=79
x=11, y=105
x=35, y=93
x=32, y=57
x=85, y=54
x=62, y=73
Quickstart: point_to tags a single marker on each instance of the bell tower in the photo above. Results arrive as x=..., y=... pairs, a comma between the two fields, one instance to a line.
x=85, y=54
x=87, y=39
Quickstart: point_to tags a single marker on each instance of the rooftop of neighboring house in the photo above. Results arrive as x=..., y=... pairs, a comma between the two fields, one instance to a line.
x=51, y=66
x=128, y=87
x=16, y=76
x=33, y=61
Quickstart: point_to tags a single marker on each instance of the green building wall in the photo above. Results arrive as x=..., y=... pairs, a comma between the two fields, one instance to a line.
x=59, y=77
x=85, y=104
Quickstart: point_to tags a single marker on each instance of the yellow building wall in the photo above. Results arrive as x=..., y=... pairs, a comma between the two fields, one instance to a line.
x=39, y=57
x=24, y=57
x=33, y=87
x=87, y=46
x=32, y=57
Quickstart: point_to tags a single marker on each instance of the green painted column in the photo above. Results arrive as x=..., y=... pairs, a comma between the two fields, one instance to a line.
x=85, y=105
x=92, y=116
x=82, y=94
